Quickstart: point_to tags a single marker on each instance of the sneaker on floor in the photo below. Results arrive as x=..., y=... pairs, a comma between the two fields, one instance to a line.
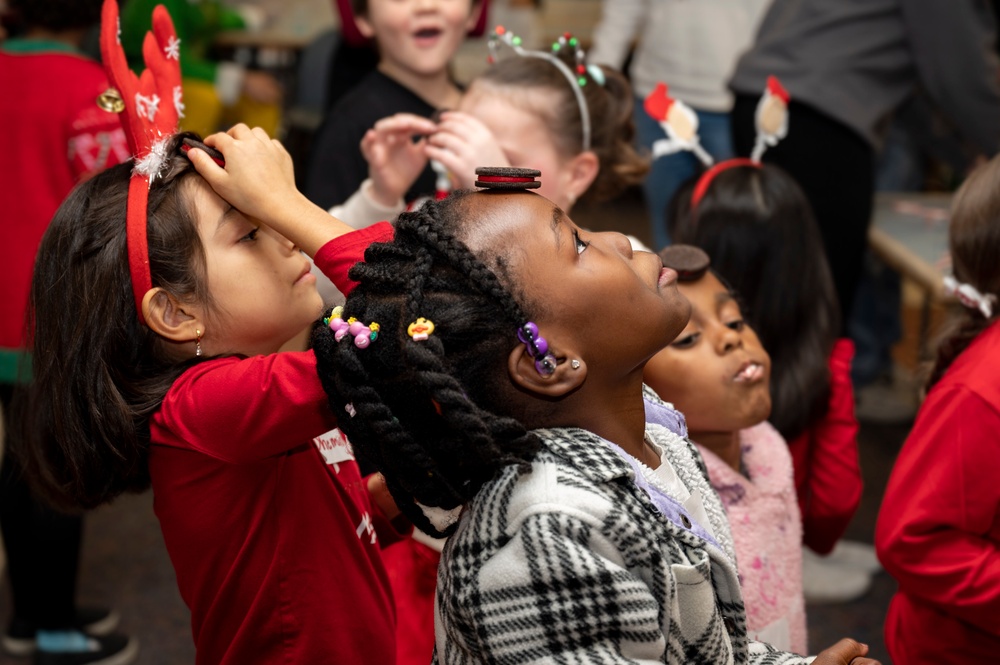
x=856, y=555
x=825, y=582
x=19, y=640
x=75, y=648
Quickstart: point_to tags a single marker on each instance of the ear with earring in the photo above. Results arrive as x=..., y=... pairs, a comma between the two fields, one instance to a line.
x=197, y=343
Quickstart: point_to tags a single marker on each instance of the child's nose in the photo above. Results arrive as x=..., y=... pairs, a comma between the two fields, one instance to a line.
x=728, y=339
x=621, y=243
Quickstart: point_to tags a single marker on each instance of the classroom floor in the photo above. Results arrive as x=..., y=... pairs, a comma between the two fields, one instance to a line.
x=125, y=563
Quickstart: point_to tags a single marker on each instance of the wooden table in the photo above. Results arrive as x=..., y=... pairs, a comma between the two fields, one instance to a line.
x=909, y=233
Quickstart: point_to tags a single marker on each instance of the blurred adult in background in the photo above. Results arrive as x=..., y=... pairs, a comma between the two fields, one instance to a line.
x=693, y=48
x=848, y=66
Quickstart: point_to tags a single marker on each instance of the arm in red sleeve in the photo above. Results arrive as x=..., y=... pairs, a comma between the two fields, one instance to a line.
x=243, y=410
x=831, y=492
x=937, y=529
x=338, y=256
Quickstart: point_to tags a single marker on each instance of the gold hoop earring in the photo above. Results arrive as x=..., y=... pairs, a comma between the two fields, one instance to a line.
x=197, y=343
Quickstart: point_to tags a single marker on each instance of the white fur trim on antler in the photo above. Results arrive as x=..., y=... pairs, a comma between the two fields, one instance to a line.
x=151, y=165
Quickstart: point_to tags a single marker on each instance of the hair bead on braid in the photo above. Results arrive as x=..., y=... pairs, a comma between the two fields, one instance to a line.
x=433, y=414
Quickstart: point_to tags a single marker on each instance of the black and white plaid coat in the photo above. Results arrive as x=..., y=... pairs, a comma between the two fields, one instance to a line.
x=572, y=563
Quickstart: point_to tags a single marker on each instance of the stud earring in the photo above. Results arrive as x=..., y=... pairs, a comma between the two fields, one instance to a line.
x=197, y=343
x=575, y=364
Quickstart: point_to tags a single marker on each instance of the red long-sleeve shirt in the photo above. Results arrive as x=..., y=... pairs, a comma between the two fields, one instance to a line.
x=53, y=136
x=265, y=515
x=938, y=532
x=825, y=459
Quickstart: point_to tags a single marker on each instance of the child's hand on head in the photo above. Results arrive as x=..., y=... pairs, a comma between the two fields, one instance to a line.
x=258, y=178
x=395, y=160
x=463, y=143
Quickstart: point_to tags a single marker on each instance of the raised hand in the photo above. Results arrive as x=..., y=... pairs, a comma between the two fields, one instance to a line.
x=463, y=143
x=395, y=159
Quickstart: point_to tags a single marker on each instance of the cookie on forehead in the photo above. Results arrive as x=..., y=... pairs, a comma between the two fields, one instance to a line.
x=507, y=177
x=689, y=261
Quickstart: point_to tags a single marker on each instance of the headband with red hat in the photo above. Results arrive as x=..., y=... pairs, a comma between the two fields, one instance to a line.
x=151, y=106
x=681, y=126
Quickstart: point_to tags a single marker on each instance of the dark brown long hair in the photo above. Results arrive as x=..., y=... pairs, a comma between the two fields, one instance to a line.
x=99, y=375
x=974, y=241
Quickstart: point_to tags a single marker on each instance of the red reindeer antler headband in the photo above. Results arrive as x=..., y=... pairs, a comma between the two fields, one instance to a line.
x=152, y=107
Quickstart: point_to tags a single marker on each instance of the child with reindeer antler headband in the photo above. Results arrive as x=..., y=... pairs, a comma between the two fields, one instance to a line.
x=755, y=222
x=167, y=292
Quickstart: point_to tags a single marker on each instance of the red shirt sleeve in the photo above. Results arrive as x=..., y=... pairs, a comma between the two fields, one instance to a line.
x=827, y=473
x=936, y=532
x=245, y=409
x=338, y=256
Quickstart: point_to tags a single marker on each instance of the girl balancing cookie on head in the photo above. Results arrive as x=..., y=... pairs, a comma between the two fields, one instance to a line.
x=163, y=294
x=518, y=428
x=716, y=373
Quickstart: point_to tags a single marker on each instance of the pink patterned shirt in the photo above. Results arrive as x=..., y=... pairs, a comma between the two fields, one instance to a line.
x=764, y=516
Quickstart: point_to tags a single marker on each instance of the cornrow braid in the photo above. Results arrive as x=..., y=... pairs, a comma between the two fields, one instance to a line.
x=434, y=416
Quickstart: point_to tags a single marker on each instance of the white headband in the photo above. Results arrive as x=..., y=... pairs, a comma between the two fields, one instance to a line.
x=969, y=296
x=575, y=82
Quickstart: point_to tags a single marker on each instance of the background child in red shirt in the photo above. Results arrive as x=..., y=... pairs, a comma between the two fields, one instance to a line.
x=54, y=136
x=938, y=532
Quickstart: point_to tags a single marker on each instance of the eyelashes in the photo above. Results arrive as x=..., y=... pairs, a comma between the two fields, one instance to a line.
x=581, y=245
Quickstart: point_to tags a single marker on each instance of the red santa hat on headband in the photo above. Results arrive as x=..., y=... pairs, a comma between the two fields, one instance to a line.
x=678, y=121
x=151, y=105
x=771, y=118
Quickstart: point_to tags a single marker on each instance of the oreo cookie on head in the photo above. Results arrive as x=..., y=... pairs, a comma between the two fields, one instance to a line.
x=689, y=261
x=507, y=178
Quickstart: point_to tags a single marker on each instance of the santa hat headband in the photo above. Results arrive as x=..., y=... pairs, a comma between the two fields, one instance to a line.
x=680, y=123
x=151, y=106
x=576, y=80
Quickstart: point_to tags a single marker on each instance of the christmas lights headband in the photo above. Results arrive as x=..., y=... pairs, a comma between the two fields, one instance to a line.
x=576, y=80
x=680, y=123
x=151, y=106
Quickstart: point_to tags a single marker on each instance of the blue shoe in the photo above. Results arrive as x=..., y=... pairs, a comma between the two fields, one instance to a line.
x=19, y=640
x=71, y=647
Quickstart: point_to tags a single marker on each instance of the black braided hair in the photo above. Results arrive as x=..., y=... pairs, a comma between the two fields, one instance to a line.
x=434, y=416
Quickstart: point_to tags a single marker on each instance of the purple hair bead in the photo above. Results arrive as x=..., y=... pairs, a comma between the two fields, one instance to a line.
x=340, y=334
x=527, y=328
x=362, y=341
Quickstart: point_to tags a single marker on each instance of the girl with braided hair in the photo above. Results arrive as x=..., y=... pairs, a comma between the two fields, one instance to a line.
x=938, y=531
x=502, y=399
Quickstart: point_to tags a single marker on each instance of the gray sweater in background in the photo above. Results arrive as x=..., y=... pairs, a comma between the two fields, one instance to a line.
x=858, y=60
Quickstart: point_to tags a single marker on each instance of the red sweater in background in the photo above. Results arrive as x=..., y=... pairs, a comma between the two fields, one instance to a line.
x=266, y=517
x=53, y=136
x=938, y=532
x=825, y=459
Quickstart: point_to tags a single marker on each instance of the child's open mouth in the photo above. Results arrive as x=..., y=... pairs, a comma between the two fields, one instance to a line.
x=427, y=35
x=750, y=372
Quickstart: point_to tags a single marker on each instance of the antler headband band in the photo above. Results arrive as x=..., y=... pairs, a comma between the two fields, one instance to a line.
x=151, y=106
x=680, y=123
x=576, y=81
